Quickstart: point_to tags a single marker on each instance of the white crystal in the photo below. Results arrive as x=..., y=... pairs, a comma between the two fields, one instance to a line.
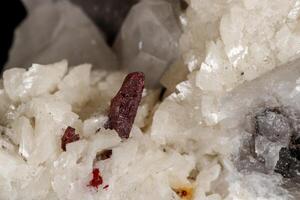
x=23, y=128
x=93, y=125
x=21, y=85
x=243, y=51
x=74, y=88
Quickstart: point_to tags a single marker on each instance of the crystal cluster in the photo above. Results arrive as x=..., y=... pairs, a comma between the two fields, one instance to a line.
x=53, y=136
x=266, y=117
x=244, y=37
x=222, y=114
x=227, y=127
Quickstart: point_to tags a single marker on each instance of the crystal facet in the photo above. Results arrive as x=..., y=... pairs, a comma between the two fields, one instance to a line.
x=148, y=40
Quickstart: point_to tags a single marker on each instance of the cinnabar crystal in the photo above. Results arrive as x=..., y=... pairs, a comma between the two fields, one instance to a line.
x=124, y=105
x=68, y=137
x=97, y=179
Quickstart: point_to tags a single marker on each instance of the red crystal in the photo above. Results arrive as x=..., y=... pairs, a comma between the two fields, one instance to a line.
x=68, y=137
x=124, y=105
x=97, y=179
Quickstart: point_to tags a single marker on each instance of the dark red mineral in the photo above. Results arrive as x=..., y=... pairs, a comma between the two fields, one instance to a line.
x=97, y=179
x=124, y=105
x=68, y=137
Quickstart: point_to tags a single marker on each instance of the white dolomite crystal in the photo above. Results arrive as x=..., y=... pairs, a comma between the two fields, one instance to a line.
x=49, y=99
x=239, y=40
x=224, y=45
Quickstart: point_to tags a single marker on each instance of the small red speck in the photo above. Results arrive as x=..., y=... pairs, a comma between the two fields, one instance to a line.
x=105, y=187
x=184, y=193
x=97, y=179
x=68, y=137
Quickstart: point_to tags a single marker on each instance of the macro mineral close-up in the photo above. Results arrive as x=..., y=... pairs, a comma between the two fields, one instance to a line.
x=152, y=100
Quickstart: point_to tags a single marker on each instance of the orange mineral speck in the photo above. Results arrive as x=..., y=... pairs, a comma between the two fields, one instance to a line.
x=185, y=192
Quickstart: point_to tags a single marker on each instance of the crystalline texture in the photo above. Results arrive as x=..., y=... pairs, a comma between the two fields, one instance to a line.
x=242, y=51
x=124, y=105
x=273, y=125
x=148, y=39
x=265, y=115
x=275, y=141
x=288, y=166
x=21, y=85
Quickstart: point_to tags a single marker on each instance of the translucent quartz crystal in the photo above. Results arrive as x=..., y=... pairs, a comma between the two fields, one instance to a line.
x=59, y=30
x=148, y=40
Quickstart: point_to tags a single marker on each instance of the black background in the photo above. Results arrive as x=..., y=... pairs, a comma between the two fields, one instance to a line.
x=12, y=13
